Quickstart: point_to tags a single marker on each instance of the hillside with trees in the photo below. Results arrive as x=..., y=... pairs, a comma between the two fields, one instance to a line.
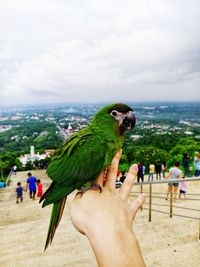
x=163, y=132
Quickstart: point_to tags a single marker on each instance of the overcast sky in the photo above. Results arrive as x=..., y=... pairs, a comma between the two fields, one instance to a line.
x=108, y=50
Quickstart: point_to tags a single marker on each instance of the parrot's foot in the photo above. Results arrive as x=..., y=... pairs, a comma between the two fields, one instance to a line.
x=92, y=187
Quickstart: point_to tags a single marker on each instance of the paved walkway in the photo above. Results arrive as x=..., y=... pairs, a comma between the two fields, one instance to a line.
x=23, y=229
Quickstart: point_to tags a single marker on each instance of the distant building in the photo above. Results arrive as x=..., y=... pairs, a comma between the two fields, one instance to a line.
x=69, y=131
x=44, y=133
x=188, y=133
x=15, y=118
x=32, y=156
x=15, y=138
x=136, y=137
x=36, y=118
x=185, y=122
x=4, y=118
x=4, y=128
x=49, y=152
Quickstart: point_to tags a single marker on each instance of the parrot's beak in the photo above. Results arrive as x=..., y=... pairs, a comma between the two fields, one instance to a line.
x=128, y=122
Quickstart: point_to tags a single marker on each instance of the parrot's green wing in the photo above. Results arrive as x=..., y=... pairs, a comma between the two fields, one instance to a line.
x=82, y=159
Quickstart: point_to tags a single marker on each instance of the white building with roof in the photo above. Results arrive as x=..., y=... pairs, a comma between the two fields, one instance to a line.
x=31, y=157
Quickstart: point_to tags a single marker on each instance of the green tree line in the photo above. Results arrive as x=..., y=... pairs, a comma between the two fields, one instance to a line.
x=149, y=148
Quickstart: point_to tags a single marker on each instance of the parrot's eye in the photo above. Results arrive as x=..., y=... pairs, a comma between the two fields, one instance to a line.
x=114, y=113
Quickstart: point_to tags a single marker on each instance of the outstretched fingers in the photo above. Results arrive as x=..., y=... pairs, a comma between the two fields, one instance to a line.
x=111, y=175
x=137, y=204
x=128, y=182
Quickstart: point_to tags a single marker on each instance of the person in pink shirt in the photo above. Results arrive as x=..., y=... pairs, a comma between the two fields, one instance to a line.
x=182, y=189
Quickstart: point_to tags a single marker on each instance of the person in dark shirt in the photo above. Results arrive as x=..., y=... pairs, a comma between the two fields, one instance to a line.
x=186, y=165
x=122, y=178
x=19, y=192
x=158, y=170
x=140, y=174
x=31, y=183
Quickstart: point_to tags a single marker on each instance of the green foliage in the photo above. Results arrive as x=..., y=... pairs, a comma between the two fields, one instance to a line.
x=124, y=167
x=43, y=163
x=3, y=179
x=8, y=160
x=146, y=155
x=150, y=138
x=29, y=166
x=124, y=159
x=168, y=147
x=28, y=134
x=184, y=146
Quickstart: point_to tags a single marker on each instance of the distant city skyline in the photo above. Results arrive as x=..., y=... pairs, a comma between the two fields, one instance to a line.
x=56, y=51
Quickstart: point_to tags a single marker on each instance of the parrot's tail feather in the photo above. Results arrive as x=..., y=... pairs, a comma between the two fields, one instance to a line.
x=47, y=192
x=56, y=215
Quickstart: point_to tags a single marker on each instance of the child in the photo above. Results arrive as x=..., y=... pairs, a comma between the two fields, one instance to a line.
x=182, y=189
x=19, y=191
x=39, y=188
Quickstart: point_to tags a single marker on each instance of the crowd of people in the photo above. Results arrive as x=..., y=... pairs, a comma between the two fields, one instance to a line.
x=158, y=171
x=155, y=170
x=33, y=185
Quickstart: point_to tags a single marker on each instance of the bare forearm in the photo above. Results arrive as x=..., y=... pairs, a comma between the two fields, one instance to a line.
x=106, y=219
x=116, y=248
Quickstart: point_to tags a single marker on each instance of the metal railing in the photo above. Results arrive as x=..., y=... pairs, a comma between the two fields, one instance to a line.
x=150, y=195
x=8, y=178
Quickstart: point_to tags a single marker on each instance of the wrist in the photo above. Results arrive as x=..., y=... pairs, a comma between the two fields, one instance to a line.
x=115, y=246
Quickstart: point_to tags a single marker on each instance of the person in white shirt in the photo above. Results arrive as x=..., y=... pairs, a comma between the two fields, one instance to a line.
x=174, y=173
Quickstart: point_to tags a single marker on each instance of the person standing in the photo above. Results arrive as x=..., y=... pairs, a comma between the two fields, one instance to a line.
x=39, y=188
x=151, y=171
x=185, y=165
x=182, y=189
x=15, y=170
x=140, y=174
x=163, y=168
x=174, y=173
x=196, y=164
x=19, y=192
x=31, y=183
x=158, y=170
x=143, y=169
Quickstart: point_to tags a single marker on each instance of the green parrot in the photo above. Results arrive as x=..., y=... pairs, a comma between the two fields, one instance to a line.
x=84, y=156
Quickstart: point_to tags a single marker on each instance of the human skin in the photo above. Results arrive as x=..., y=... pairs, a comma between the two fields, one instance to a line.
x=106, y=219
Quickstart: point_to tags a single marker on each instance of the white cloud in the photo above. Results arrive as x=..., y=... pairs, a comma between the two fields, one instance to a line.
x=99, y=50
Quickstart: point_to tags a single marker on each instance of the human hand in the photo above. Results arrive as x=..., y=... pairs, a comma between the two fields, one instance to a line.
x=106, y=218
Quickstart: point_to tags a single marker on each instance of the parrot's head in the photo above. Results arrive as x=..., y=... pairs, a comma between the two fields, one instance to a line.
x=124, y=115
x=120, y=114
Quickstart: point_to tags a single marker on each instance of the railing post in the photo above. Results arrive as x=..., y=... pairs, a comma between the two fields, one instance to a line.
x=199, y=229
x=171, y=201
x=150, y=192
x=8, y=178
x=141, y=191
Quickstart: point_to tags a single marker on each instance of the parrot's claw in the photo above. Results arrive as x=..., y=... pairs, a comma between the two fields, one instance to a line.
x=92, y=187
